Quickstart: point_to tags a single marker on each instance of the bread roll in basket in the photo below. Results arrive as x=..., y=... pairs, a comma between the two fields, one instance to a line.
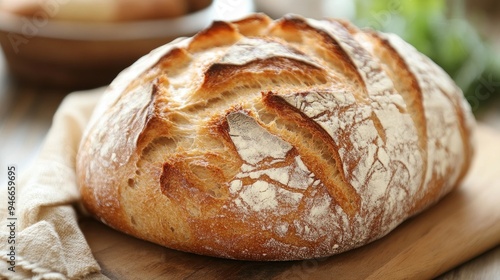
x=274, y=140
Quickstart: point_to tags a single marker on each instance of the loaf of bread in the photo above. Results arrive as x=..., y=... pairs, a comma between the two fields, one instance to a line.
x=102, y=10
x=274, y=140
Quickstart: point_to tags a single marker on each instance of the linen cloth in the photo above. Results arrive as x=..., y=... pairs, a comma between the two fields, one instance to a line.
x=49, y=243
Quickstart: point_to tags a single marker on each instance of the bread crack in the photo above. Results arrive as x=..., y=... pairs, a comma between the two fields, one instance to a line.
x=316, y=149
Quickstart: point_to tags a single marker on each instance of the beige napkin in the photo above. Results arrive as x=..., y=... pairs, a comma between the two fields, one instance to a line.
x=49, y=243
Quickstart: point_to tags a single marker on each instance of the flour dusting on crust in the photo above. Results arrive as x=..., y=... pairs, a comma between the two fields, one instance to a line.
x=274, y=140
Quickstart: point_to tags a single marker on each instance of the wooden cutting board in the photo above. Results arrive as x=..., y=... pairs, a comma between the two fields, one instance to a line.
x=463, y=225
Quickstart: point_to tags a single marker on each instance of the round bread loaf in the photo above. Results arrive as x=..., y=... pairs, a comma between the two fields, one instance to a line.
x=274, y=140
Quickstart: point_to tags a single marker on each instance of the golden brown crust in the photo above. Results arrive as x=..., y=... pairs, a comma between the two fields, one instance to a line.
x=343, y=193
x=219, y=34
x=274, y=140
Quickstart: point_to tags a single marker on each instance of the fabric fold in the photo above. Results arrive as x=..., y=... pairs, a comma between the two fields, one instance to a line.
x=49, y=243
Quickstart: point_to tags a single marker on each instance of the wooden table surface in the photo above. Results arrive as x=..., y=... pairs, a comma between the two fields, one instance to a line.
x=26, y=113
